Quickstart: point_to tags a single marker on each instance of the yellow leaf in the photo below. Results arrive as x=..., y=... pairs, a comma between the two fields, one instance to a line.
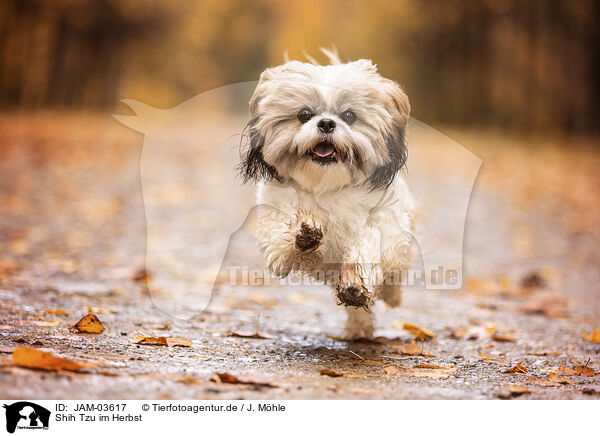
x=555, y=378
x=594, y=336
x=161, y=340
x=418, y=332
x=34, y=358
x=89, y=324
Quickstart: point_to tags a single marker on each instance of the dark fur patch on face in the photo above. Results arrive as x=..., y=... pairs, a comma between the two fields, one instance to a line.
x=253, y=166
x=383, y=176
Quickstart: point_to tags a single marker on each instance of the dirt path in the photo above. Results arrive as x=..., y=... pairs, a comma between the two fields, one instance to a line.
x=73, y=237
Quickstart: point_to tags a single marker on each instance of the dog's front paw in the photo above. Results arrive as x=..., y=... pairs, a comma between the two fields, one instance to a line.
x=354, y=295
x=308, y=233
x=308, y=238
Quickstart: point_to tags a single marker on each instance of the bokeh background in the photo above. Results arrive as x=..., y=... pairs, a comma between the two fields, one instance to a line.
x=504, y=63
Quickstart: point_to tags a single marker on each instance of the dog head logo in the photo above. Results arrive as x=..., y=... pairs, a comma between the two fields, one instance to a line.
x=197, y=207
x=26, y=415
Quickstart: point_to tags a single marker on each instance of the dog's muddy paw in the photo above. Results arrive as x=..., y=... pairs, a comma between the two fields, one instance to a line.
x=308, y=238
x=354, y=295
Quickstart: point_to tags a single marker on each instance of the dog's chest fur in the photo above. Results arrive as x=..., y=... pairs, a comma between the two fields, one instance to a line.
x=344, y=214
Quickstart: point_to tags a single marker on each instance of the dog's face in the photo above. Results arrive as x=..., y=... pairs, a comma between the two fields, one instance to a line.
x=326, y=127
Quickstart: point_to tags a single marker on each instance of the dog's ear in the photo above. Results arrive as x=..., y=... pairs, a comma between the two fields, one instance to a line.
x=397, y=104
x=253, y=166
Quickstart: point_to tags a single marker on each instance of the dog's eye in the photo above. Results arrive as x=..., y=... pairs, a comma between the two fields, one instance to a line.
x=305, y=115
x=349, y=117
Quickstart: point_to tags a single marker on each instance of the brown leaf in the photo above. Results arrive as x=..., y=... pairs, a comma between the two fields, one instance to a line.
x=555, y=378
x=435, y=373
x=533, y=380
x=565, y=370
x=418, y=332
x=516, y=369
x=247, y=335
x=503, y=338
x=89, y=324
x=38, y=359
x=513, y=391
x=429, y=366
x=585, y=371
x=161, y=340
x=594, y=336
x=550, y=304
x=330, y=373
x=414, y=349
x=224, y=377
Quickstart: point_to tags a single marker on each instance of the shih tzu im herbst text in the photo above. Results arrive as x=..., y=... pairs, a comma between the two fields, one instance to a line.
x=326, y=145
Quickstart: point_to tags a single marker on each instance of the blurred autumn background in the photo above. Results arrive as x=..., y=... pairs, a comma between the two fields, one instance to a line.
x=506, y=63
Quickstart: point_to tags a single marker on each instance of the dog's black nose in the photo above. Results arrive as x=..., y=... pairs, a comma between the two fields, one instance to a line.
x=326, y=125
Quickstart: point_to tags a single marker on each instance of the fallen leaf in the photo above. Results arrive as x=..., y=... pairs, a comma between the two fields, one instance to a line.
x=330, y=373
x=38, y=359
x=247, y=335
x=532, y=379
x=516, y=369
x=550, y=304
x=503, y=338
x=161, y=340
x=89, y=324
x=594, y=336
x=429, y=366
x=57, y=312
x=488, y=358
x=224, y=377
x=513, y=391
x=435, y=373
x=418, y=332
x=555, y=378
x=584, y=371
x=518, y=390
x=413, y=349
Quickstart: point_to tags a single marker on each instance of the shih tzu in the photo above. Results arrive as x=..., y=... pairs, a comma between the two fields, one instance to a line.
x=326, y=145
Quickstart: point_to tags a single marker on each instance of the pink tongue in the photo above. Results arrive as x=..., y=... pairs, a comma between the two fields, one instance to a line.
x=323, y=149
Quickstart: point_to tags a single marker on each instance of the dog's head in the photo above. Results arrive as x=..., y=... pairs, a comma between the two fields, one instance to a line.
x=326, y=127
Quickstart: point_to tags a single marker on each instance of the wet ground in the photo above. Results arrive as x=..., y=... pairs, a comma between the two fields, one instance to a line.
x=73, y=239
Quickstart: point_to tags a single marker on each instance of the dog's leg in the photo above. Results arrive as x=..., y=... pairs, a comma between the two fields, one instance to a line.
x=395, y=253
x=359, y=323
x=289, y=244
x=359, y=271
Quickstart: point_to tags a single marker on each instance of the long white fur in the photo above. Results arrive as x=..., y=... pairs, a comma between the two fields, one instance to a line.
x=366, y=232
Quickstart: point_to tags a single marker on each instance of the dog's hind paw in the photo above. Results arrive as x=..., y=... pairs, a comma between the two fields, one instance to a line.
x=354, y=295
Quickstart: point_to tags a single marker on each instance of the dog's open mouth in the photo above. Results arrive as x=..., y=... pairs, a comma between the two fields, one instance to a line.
x=324, y=153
